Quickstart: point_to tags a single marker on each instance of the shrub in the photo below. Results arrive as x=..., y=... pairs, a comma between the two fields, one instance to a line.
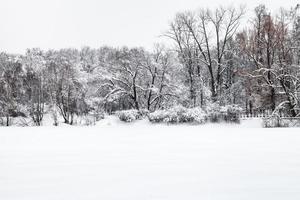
x=54, y=115
x=178, y=114
x=98, y=116
x=194, y=115
x=274, y=121
x=143, y=113
x=213, y=112
x=129, y=115
x=174, y=115
x=85, y=120
x=157, y=116
x=231, y=113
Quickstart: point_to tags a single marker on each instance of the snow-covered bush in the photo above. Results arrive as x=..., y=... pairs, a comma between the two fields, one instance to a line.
x=23, y=121
x=213, y=111
x=194, y=115
x=274, y=121
x=157, y=116
x=129, y=115
x=54, y=115
x=231, y=113
x=174, y=115
x=98, y=116
x=178, y=114
x=171, y=115
x=88, y=121
x=96, y=105
x=144, y=113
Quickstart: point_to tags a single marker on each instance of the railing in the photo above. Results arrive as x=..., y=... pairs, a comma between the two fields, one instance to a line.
x=247, y=116
x=264, y=114
x=254, y=115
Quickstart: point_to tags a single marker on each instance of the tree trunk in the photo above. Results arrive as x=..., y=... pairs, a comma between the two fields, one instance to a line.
x=7, y=120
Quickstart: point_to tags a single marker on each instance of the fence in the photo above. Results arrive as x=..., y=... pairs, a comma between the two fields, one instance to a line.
x=264, y=114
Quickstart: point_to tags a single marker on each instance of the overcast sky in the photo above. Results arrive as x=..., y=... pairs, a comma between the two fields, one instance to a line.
x=76, y=23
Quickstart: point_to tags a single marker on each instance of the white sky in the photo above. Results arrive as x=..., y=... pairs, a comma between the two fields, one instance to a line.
x=76, y=23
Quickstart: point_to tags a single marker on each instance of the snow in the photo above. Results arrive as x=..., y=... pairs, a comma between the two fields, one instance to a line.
x=115, y=160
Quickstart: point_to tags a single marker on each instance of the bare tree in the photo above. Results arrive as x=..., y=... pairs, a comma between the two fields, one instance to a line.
x=35, y=66
x=10, y=87
x=186, y=49
x=210, y=31
x=160, y=86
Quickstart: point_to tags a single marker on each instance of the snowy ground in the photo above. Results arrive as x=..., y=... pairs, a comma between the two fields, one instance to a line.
x=112, y=161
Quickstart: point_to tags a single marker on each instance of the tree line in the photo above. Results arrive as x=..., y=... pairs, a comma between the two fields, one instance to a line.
x=213, y=60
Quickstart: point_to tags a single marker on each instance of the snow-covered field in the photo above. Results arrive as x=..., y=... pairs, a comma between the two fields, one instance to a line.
x=114, y=161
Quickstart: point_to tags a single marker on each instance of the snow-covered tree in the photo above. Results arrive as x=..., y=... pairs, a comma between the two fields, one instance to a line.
x=34, y=65
x=11, y=87
x=66, y=90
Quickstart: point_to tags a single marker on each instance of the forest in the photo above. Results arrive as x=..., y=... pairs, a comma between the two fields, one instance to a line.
x=214, y=58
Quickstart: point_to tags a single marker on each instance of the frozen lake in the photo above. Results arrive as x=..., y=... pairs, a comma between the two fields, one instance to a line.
x=141, y=162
